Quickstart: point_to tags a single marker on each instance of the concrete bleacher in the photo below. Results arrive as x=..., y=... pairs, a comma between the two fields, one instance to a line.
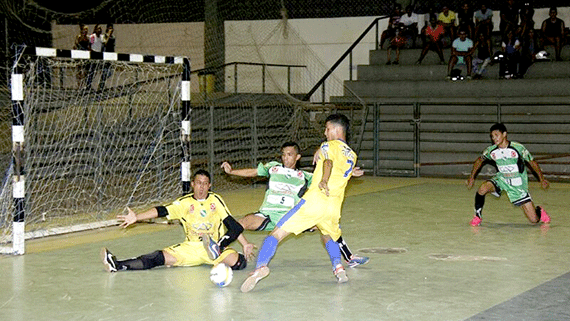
x=407, y=79
x=420, y=123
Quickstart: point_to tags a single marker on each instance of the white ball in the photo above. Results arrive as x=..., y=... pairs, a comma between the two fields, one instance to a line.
x=221, y=275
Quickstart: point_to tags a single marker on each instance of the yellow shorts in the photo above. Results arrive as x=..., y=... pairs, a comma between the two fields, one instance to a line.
x=316, y=209
x=194, y=253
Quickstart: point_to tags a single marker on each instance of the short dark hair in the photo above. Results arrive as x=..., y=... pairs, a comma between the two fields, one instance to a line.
x=202, y=172
x=291, y=144
x=498, y=126
x=342, y=120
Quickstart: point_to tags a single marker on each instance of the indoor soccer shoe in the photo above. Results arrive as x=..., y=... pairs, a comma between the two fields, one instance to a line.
x=255, y=277
x=544, y=218
x=211, y=247
x=340, y=274
x=357, y=260
x=109, y=260
x=476, y=221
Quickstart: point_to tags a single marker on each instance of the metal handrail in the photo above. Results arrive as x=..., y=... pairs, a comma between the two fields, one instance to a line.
x=344, y=55
x=263, y=71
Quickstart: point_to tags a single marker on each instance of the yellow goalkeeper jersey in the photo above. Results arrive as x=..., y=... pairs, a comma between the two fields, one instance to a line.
x=199, y=216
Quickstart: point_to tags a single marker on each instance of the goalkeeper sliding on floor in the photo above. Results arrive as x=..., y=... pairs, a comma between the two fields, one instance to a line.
x=286, y=186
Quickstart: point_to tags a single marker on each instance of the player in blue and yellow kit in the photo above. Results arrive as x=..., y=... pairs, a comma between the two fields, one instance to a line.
x=202, y=214
x=321, y=204
x=287, y=184
x=510, y=159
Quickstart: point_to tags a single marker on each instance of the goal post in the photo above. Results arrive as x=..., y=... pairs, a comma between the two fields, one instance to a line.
x=92, y=133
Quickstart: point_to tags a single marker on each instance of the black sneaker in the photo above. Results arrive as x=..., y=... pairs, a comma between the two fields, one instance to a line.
x=109, y=260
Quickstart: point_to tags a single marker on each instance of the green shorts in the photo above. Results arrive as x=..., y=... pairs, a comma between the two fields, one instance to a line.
x=271, y=219
x=516, y=189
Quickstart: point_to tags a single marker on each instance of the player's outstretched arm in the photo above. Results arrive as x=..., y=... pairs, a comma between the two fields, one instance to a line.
x=246, y=172
x=536, y=168
x=131, y=217
x=476, y=167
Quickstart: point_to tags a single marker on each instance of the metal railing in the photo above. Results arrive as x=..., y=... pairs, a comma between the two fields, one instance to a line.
x=347, y=53
x=263, y=66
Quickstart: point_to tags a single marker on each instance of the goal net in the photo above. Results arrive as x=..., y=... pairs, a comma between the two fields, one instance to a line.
x=91, y=136
x=103, y=135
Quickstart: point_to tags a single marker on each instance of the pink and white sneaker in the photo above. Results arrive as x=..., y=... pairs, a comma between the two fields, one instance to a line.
x=476, y=221
x=544, y=217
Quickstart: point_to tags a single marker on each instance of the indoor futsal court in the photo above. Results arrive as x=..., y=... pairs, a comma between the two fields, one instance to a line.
x=426, y=263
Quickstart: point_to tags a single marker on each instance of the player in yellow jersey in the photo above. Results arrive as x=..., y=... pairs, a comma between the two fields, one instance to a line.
x=321, y=204
x=203, y=215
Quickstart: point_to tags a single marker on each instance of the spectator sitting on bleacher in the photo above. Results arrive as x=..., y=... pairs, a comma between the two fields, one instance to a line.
x=465, y=18
x=511, y=47
x=447, y=19
x=484, y=21
x=409, y=23
x=461, y=53
x=509, y=17
x=553, y=32
x=397, y=42
x=393, y=22
x=432, y=40
x=483, y=58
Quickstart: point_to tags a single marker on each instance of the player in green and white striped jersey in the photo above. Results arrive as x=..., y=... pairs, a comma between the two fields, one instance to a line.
x=510, y=159
x=285, y=187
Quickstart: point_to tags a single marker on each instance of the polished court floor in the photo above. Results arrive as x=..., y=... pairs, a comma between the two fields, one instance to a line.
x=427, y=263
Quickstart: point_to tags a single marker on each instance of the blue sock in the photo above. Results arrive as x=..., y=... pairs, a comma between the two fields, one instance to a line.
x=334, y=252
x=267, y=251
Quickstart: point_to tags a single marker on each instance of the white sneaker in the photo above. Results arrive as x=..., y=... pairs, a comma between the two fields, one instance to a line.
x=340, y=274
x=254, y=277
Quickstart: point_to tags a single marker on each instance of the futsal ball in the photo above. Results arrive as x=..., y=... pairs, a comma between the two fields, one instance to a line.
x=221, y=275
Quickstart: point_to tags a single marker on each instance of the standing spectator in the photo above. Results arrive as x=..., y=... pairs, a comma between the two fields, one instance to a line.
x=432, y=40
x=511, y=47
x=527, y=22
x=483, y=47
x=82, y=43
x=447, y=19
x=393, y=22
x=530, y=47
x=484, y=21
x=409, y=23
x=509, y=17
x=461, y=53
x=465, y=17
x=108, y=40
x=553, y=32
x=82, y=39
x=96, y=41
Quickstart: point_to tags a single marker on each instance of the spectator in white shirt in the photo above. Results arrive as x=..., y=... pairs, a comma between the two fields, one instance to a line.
x=409, y=24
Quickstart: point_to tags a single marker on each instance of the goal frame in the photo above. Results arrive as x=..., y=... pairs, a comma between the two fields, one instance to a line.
x=19, y=127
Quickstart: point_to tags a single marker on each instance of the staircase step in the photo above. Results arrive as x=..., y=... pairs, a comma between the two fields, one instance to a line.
x=410, y=56
x=456, y=89
x=435, y=72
